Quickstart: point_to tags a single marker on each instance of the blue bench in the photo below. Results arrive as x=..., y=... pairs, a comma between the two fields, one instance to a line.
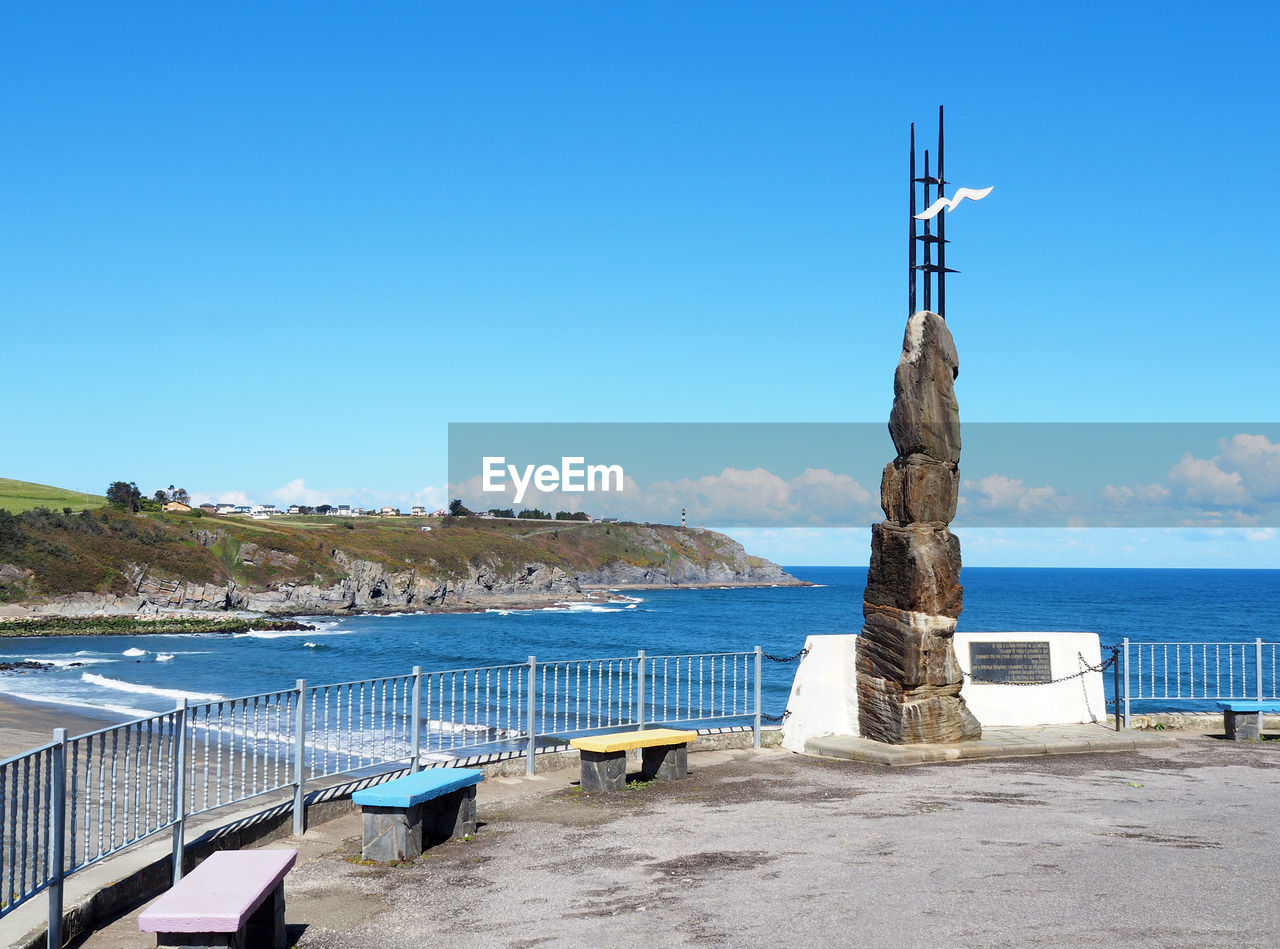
x=1243, y=720
x=420, y=809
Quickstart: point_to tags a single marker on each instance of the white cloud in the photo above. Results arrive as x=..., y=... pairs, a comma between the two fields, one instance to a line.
x=1131, y=496
x=997, y=493
x=221, y=497
x=816, y=497
x=297, y=492
x=1256, y=460
x=1200, y=481
x=432, y=497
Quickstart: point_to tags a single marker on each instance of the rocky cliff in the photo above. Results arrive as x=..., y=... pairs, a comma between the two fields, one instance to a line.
x=457, y=564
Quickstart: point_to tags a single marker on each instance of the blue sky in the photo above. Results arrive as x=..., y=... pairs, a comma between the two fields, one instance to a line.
x=274, y=250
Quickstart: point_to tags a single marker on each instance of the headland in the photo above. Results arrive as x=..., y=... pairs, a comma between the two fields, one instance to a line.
x=83, y=567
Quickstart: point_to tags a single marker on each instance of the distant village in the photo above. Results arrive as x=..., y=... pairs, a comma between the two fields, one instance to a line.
x=264, y=511
x=125, y=494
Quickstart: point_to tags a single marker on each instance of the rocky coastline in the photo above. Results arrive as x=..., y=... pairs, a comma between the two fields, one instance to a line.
x=366, y=586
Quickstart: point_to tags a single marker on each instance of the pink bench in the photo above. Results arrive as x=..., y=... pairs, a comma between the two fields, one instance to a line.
x=234, y=899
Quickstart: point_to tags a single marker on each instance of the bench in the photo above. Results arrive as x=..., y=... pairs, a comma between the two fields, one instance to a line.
x=1243, y=720
x=604, y=757
x=424, y=808
x=235, y=898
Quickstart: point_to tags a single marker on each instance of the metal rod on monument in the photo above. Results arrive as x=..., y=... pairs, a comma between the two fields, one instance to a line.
x=942, y=229
x=911, y=257
x=928, y=280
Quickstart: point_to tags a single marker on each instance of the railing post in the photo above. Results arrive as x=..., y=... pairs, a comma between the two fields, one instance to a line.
x=1115, y=681
x=755, y=727
x=1126, y=682
x=415, y=743
x=299, y=758
x=57, y=835
x=531, y=743
x=642, y=684
x=179, y=788
x=1257, y=668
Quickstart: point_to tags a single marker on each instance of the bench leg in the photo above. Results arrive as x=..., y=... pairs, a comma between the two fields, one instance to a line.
x=450, y=815
x=604, y=771
x=664, y=763
x=201, y=940
x=1242, y=726
x=265, y=927
x=392, y=833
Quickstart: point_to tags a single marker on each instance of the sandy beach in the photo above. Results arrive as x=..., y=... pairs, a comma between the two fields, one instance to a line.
x=25, y=725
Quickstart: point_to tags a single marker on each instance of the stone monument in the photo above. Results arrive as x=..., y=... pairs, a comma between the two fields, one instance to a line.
x=908, y=680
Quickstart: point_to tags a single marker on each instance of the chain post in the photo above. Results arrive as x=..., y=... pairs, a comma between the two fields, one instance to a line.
x=1125, y=677
x=1115, y=681
x=179, y=789
x=755, y=727
x=299, y=761
x=57, y=835
x=643, y=684
x=416, y=712
x=531, y=743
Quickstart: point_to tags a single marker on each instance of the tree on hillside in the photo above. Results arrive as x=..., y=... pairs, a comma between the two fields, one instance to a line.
x=457, y=508
x=160, y=496
x=10, y=534
x=125, y=495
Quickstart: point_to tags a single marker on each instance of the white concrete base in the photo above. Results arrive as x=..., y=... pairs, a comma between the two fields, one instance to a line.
x=1076, y=701
x=824, y=693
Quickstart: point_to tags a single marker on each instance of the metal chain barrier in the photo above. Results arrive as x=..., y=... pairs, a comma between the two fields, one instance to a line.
x=783, y=659
x=1100, y=667
x=800, y=655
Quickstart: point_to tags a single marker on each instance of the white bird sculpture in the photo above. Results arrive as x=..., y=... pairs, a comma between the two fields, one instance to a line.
x=973, y=194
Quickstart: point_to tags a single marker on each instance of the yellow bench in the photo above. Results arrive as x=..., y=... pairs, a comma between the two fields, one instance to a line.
x=664, y=757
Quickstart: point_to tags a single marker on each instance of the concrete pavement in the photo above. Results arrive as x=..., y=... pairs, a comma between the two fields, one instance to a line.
x=1158, y=847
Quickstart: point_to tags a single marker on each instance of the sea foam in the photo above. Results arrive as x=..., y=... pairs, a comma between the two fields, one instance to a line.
x=121, y=686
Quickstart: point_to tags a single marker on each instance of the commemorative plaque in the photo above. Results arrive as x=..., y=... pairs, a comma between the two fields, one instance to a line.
x=1010, y=663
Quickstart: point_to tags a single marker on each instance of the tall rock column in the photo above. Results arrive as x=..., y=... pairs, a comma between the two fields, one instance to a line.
x=908, y=679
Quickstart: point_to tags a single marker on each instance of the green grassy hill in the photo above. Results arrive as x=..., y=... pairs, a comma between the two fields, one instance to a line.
x=18, y=496
x=48, y=552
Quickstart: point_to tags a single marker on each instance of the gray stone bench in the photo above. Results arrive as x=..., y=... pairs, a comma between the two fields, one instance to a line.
x=235, y=898
x=664, y=757
x=421, y=809
x=1242, y=721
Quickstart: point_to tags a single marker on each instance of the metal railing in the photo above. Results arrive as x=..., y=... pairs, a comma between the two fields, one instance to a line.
x=1176, y=673
x=73, y=802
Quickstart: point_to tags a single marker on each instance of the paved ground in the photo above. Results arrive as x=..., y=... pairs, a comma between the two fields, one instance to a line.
x=1168, y=847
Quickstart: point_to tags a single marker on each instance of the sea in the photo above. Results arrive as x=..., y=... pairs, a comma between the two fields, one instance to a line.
x=132, y=676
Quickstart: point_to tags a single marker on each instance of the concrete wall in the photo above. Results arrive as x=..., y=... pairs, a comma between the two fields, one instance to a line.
x=824, y=693
x=1061, y=703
